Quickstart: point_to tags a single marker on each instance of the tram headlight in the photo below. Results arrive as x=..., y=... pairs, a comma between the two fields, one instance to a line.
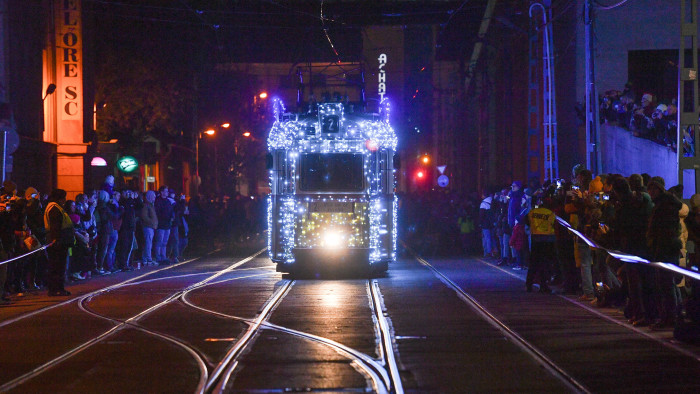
x=333, y=239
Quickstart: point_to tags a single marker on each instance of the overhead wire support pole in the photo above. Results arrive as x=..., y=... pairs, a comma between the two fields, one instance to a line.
x=550, y=151
x=476, y=52
x=550, y=157
x=687, y=116
x=593, y=151
x=534, y=159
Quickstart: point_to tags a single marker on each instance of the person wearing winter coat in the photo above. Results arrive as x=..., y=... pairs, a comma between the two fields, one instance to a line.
x=576, y=208
x=61, y=236
x=632, y=212
x=105, y=215
x=131, y=207
x=517, y=243
x=149, y=224
x=486, y=222
x=166, y=215
x=664, y=243
x=541, y=222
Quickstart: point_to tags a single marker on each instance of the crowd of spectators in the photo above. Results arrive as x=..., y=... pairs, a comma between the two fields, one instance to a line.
x=636, y=215
x=439, y=222
x=107, y=231
x=513, y=226
x=645, y=118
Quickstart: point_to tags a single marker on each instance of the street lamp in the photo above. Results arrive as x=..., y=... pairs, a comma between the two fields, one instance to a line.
x=196, y=154
x=49, y=90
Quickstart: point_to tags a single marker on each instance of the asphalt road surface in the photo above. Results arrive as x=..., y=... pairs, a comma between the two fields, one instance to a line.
x=228, y=322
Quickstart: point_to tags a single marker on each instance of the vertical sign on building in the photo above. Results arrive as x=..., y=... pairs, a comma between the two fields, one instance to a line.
x=69, y=59
x=66, y=69
x=381, y=88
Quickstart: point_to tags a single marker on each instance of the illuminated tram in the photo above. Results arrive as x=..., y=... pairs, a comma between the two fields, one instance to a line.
x=332, y=204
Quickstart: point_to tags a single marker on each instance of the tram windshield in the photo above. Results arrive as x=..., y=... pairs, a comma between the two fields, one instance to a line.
x=331, y=172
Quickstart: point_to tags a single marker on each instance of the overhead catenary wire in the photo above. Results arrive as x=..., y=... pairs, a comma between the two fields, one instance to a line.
x=609, y=7
x=328, y=37
x=177, y=15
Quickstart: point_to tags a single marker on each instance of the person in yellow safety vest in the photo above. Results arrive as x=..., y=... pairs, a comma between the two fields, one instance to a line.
x=466, y=230
x=541, y=221
x=61, y=233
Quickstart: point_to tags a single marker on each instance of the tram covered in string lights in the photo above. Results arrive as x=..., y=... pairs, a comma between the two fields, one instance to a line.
x=332, y=177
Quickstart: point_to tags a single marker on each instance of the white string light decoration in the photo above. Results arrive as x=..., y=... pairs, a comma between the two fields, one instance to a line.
x=333, y=131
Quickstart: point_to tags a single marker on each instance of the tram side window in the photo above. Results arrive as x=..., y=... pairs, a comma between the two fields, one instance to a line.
x=331, y=172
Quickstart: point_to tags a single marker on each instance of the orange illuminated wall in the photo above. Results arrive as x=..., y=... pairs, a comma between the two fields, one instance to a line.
x=63, y=66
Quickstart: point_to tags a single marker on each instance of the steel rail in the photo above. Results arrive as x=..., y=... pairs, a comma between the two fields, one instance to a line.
x=386, y=337
x=86, y=298
x=373, y=370
x=665, y=343
x=195, y=274
x=99, y=291
x=568, y=380
x=123, y=324
x=221, y=374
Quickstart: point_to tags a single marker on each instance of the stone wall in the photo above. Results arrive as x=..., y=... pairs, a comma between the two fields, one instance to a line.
x=625, y=154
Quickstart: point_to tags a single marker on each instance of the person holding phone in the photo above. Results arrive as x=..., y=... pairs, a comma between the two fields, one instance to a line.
x=35, y=221
x=576, y=209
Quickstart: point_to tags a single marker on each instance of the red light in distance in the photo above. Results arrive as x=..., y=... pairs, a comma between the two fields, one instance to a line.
x=371, y=145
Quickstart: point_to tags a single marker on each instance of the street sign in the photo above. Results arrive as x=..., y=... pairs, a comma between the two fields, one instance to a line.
x=443, y=180
x=127, y=164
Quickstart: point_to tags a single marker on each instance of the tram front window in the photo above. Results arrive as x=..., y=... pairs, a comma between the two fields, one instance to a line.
x=331, y=172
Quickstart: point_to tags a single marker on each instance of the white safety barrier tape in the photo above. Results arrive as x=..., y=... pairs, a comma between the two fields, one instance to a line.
x=26, y=254
x=629, y=258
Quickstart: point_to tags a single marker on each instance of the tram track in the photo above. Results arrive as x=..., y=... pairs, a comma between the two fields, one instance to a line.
x=382, y=374
x=382, y=380
x=386, y=337
x=537, y=355
x=121, y=324
x=620, y=322
x=222, y=372
x=99, y=291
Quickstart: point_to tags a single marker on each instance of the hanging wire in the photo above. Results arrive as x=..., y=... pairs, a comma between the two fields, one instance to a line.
x=325, y=31
x=444, y=25
x=609, y=7
x=215, y=27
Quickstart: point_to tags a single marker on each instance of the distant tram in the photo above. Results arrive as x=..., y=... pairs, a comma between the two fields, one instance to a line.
x=332, y=176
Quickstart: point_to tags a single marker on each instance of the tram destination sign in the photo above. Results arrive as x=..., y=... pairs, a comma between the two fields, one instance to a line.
x=331, y=207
